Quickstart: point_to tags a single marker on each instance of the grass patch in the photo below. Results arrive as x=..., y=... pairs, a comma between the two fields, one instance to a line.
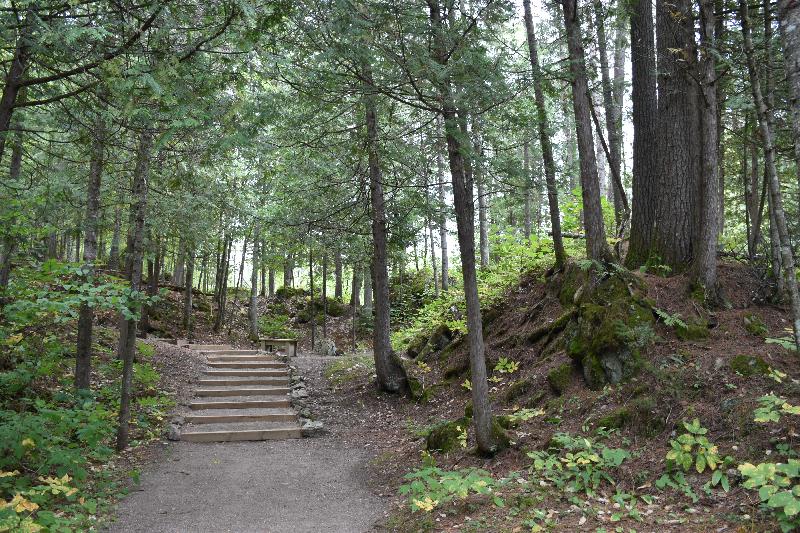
x=349, y=368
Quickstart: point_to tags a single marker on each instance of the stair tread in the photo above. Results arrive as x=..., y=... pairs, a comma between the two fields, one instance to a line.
x=240, y=426
x=248, y=373
x=240, y=402
x=245, y=412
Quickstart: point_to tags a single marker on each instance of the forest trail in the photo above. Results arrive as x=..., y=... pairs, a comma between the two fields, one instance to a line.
x=243, y=395
x=269, y=485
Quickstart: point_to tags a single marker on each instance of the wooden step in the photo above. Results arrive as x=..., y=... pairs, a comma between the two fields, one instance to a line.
x=229, y=352
x=229, y=416
x=242, y=431
x=241, y=391
x=249, y=364
x=235, y=380
x=244, y=403
x=275, y=372
x=206, y=347
x=240, y=358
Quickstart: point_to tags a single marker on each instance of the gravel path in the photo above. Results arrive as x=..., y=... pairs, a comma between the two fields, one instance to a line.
x=292, y=486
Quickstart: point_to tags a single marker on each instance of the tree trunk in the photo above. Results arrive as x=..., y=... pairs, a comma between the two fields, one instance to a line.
x=188, y=322
x=545, y=141
x=765, y=121
x=253, y=310
x=645, y=135
x=83, y=352
x=390, y=373
x=679, y=140
x=464, y=208
x=596, y=245
x=11, y=88
x=368, y=299
x=271, y=282
x=442, y=221
x=355, y=293
x=483, y=200
x=526, y=184
x=705, y=261
x=789, y=22
x=10, y=240
x=140, y=177
x=113, y=254
x=178, y=274
x=337, y=275
x=324, y=296
x=612, y=121
x=313, y=311
x=288, y=270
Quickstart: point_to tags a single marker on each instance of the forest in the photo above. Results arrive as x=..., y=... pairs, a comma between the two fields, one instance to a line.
x=538, y=259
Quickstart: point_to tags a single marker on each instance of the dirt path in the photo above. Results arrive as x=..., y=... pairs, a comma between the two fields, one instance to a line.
x=291, y=486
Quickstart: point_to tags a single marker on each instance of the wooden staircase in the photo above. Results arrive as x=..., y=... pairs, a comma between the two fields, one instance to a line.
x=243, y=395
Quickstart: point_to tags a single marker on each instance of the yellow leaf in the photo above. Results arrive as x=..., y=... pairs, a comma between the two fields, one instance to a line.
x=8, y=474
x=28, y=442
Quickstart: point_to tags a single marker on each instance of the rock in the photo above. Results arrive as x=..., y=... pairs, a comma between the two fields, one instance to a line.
x=172, y=432
x=749, y=365
x=300, y=384
x=177, y=420
x=312, y=428
x=305, y=412
x=329, y=349
x=298, y=394
x=443, y=437
x=695, y=330
x=560, y=378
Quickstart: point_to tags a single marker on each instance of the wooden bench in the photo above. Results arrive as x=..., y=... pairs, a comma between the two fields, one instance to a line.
x=273, y=345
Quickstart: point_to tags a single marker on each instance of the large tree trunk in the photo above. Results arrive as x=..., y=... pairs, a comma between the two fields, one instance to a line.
x=543, y=125
x=645, y=135
x=368, y=296
x=11, y=88
x=778, y=215
x=789, y=21
x=465, y=222
x=253, y=310
x=83, y=352
x=140, y=177
x=596, y=245
x=10, y=240
x=704, y=269
x=288, y=270
x=271, y=282
x=113, y=254
x=613, y=123
x=391, y=375
x=178, y=274
x=679, y=140
x=355, y=293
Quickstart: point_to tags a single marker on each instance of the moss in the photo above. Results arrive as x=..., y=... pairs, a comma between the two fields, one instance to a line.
x=285, y=293
x=517, y=389
x=534, y=400
x=468, y=409
x=415, y=388
x=560, y=378
x=416, y=345
x=491, y=314
x=695, y=330
x=502, y=440
x=572, y=280
x=443, y=437
x=754, y=325
x=457, y=369
x=616, y=419
x=506, y=421
x=749, y=365
x=612, y=325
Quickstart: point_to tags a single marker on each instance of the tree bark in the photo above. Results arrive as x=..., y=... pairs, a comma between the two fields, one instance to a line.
x=789, y=22
x=596, y=245
x=778, y=214
x=271, y=282
x=442, y=221
x=12, y=86
x=140, y=178
x=113, y=254
x=288, y=270
x=543, y=125
x=368, y=297
x=613, y=123
x=464, y=208
x=483, y=197
x=188, y=321
x=677, y=216
x=526, y=184
x=337, y=274
x=10, y=239
x=645, y=135
x=390, y=373
x=704, y=268
x=83, y=352
x=355, y=294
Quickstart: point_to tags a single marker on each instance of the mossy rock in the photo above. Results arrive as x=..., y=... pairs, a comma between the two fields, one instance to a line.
x=502, y=439
x=287, y=293
x=517, y=389
x=506, y=422
x=754, y=325
x=639, y=414
x=415, y=388
x=749, y=365
x=534, y=400
x=613, y=323
x=457, y=369
x=616, y=419
x=416, y=345
x=560, y=378
x=441, y=337
x=443, y=437
x=491, y=314
x=695, y=330
x=201, y=305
